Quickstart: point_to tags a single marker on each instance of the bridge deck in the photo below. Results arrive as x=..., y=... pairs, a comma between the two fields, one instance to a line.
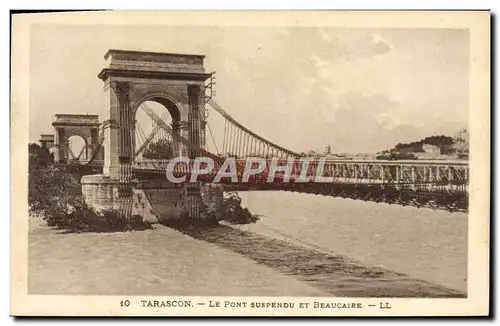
x=436, y=184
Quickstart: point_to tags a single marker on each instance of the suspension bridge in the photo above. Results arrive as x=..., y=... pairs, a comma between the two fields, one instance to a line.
x=131, y=162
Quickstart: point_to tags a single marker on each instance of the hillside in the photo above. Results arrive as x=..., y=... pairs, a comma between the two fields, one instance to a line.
x=443, y=142
x=431, y=147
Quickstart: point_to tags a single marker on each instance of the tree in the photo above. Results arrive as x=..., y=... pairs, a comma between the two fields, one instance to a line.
x=49, y=185
x=158, y=150
x=443, y=142
x=52, y=186
x=231, y=211
x=55, y=193
x=38, y=156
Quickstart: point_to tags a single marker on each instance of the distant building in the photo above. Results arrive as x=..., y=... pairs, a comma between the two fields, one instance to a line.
x=431, y=149
x=364, y=156
x=461, y=144
x=311, y=153
x=335, y=156
x=462, y=136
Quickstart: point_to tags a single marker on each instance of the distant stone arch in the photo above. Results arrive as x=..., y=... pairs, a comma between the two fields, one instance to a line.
x=69, y=125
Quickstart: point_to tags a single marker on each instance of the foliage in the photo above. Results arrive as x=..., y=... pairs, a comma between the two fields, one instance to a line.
x=55, y=193
x=461, y=149
x=52, y=186
x=161, y=149
x=82, y=218
x=39, y=156
x=414, y=147
x=229, y=210
x=446, y=144
x=443, y=142
x=396, y=156
x=233, y=212
x=440, y=141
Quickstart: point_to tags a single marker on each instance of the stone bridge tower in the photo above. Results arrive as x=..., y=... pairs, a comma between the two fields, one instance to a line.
x=177, y=81
x=132, y=78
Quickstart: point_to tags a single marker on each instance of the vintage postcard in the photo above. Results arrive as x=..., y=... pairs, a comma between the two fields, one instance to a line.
x=250, y=164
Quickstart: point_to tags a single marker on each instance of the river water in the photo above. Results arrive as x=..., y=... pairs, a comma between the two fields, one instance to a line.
x=430, y=245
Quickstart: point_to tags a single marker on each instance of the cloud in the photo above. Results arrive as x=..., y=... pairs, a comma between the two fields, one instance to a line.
x=231, y=66
x=283, y=32
x=367, y=47
x=339, y=68
x=371, y=122
x=333, y=45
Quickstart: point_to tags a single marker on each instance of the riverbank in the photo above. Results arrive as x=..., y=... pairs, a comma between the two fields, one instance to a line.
x=161, y=261
x=222, y=261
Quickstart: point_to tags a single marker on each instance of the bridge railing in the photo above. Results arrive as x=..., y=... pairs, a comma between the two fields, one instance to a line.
x=450, y=174
x=400, y=171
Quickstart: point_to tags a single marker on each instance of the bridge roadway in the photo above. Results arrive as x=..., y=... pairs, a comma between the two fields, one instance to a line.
x=435, y=184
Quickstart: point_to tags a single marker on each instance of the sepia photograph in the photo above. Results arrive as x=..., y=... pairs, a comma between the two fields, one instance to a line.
x=250, y=163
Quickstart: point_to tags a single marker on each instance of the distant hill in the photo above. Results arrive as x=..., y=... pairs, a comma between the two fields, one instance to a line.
x=443, y=142
x=444, y=145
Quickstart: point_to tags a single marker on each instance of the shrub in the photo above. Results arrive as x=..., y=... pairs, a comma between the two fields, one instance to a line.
x=55, y=193
x=230, y=211
x=52, y=186
x=233, y=212
x=82, y=218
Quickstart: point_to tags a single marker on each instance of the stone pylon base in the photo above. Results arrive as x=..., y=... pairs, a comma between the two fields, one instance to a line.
x=154, y=201
x=103, y=193
x=212, y=196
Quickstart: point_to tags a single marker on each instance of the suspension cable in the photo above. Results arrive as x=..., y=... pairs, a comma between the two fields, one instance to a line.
x=150, y=112
x=224, y=138
x=211, y=135
x=221, y=111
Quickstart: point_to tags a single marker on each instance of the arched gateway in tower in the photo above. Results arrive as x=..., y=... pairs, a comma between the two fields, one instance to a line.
x=132, y=78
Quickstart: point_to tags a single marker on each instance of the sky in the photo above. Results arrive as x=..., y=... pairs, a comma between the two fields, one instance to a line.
x=356, y=89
